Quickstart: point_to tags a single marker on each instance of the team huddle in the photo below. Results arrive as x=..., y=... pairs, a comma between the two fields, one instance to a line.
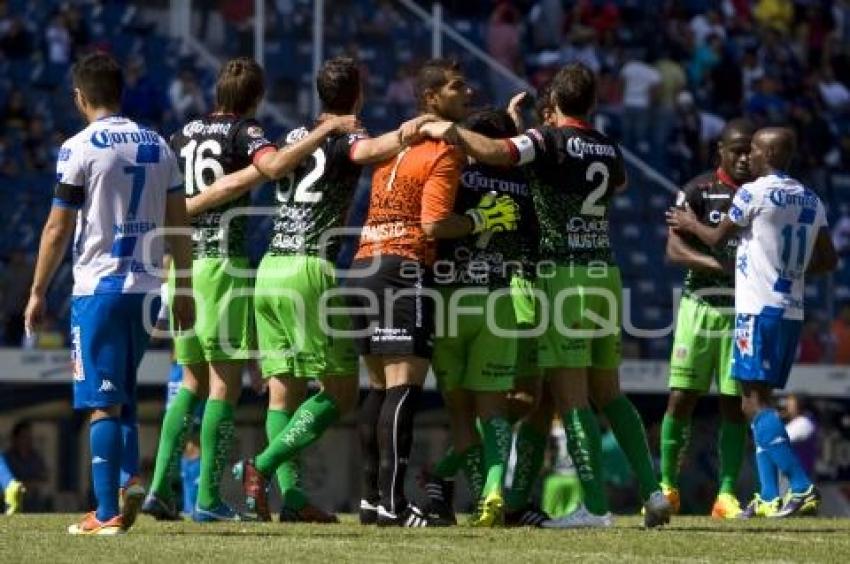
x=485, y=256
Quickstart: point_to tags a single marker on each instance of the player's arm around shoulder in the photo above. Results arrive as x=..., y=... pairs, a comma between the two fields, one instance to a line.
x=225, y=189
x=495, y=152
x=370, y=150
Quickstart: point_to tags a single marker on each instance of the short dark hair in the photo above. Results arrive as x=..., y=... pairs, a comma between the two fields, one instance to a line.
x=492, y=122
x=101, y=80
x=338, y=84
x=574, y=89
x=737, y=126
x=544, y=102
x=432, y=75
x=240, y=86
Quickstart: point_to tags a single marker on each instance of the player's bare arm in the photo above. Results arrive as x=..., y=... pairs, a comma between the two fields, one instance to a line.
x=182, y=304
x=374, y=150
x=281, y=162
x=513, y=109
x=496, y=152
x=685, y=221
x=55, y=238
x=824, y=258
x=679, y=252
x=225, y=189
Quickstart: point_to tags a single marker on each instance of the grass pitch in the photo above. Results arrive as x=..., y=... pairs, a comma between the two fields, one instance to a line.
x=42, y=538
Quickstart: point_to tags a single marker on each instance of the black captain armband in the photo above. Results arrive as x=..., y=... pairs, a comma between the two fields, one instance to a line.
x=70, y=195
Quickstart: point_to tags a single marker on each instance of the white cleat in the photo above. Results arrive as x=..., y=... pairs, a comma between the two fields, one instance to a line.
x=657, y=510
x=581, y=518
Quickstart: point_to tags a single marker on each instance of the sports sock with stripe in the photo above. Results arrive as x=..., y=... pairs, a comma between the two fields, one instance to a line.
x=675, y=436
x=129, y=443
x=175, y=427
x=627, y=427
x=395, y=439
x=472, y=463
x=105, y=443
x=217, y=432
x=584, y=443
x=732, y=441
x=771, y=437
x=288, y=478
x=367, y=431
x=530, y=450
x=496, y=440
x=309, y=421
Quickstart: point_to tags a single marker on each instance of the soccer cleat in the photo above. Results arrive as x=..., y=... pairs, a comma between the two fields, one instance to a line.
x=528, y=517
x=657, y=510
x=581, y=518
x=411, y=517
x=440, y=495
x=14, y=497
x=91, y=526
x=307, y=514
x=221, y=512
x=672, y=495
x=726, y=506
x=132, y=497
x=160, y=509
x=490, y=512
x=800, y=504
x=254, y=488
x=761, y=508
x=368, y=512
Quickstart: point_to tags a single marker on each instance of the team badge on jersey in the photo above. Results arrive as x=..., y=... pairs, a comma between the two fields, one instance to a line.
x=744, y=334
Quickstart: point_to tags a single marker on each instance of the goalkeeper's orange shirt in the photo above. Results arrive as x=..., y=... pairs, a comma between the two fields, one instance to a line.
x=417, y=186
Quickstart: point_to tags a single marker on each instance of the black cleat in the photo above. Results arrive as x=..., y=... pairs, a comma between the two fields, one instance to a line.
x=410, y=517
x=160, y=509
x=368, y=512
x=531, y=516
x=440, y=494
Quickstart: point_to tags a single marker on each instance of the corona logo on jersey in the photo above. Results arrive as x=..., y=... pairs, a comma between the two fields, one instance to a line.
x=103, y=138
x=744, y=334
x=578, y=148
x=782, y=198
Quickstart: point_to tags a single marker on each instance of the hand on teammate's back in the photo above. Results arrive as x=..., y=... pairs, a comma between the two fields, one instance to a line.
x=439, y=130
x=345, y=124
x=494, y=213
x=681, y=219
x=183, y=310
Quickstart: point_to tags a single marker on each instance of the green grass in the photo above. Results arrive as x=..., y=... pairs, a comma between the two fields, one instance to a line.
x=42, y=538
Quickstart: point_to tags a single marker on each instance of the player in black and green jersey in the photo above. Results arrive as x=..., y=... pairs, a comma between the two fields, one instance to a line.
x=702, y=346
x=574, y=172
x=213, y=356
x=298, y=340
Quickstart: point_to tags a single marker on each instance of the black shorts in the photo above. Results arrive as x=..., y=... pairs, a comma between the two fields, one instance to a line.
x=392, y=309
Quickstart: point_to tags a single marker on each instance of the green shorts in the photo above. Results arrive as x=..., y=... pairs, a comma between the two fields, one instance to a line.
x=296, y=334
x=702, y=349
x=224, y=317
x=469, y=352
x=583, y=329
x=522, y=293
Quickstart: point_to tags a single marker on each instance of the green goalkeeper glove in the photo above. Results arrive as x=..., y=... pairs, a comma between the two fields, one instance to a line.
x=494, y=213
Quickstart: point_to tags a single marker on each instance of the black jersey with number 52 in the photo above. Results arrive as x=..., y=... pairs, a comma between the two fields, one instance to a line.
x=209, y=148
x=315, y=198
x=573, y=171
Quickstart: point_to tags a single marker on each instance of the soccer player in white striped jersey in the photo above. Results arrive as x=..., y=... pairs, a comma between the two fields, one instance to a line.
x=119, y=183
x=783, y=237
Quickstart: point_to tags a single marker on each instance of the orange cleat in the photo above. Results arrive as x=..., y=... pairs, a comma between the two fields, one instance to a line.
x=91, y=526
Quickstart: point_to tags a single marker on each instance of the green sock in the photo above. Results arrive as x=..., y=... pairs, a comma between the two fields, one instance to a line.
x=448, y=466
x=628, y=429
x=733, y=439
x=496, y=438
x=584, y=443
x=675, y=435
x=530, y=450
x=172, y=439
x=307, y=424
x=472, y=461
x=288, y=478
x=217, y=432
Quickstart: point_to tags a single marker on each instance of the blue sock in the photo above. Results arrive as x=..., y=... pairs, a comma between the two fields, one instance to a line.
x=190, y=473
x=770, y=436
x=105, y=438
x=768, y=476
x=129, y=444
x=6, y=475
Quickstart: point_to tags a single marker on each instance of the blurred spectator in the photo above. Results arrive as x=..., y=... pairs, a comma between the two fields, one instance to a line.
x=835, y=94
x=15, y=281
x=503, y=37
x=811, y=349
x=705, y=25
x=581, y=47
x=751, y=72
x=672, y=82
x=78, y=29
x=58, y=41
x=239, y=15
x=27, y=465
x=687, y=137
x=640, y=87
x=802, y=429
x=399, y=97
x=16, y=40
x=767, y=106
x=727, y=86
x=841, y=335
x=775, y=14
x=546, y=20
x=704, y=58
x=15, y=114
x=841, y=232
x=187, y=100
x=37, y=147
x=143, y=101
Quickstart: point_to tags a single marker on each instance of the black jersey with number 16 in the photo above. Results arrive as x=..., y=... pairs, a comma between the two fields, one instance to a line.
x=209, y=148
x=315, y=198
x=573, y=171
